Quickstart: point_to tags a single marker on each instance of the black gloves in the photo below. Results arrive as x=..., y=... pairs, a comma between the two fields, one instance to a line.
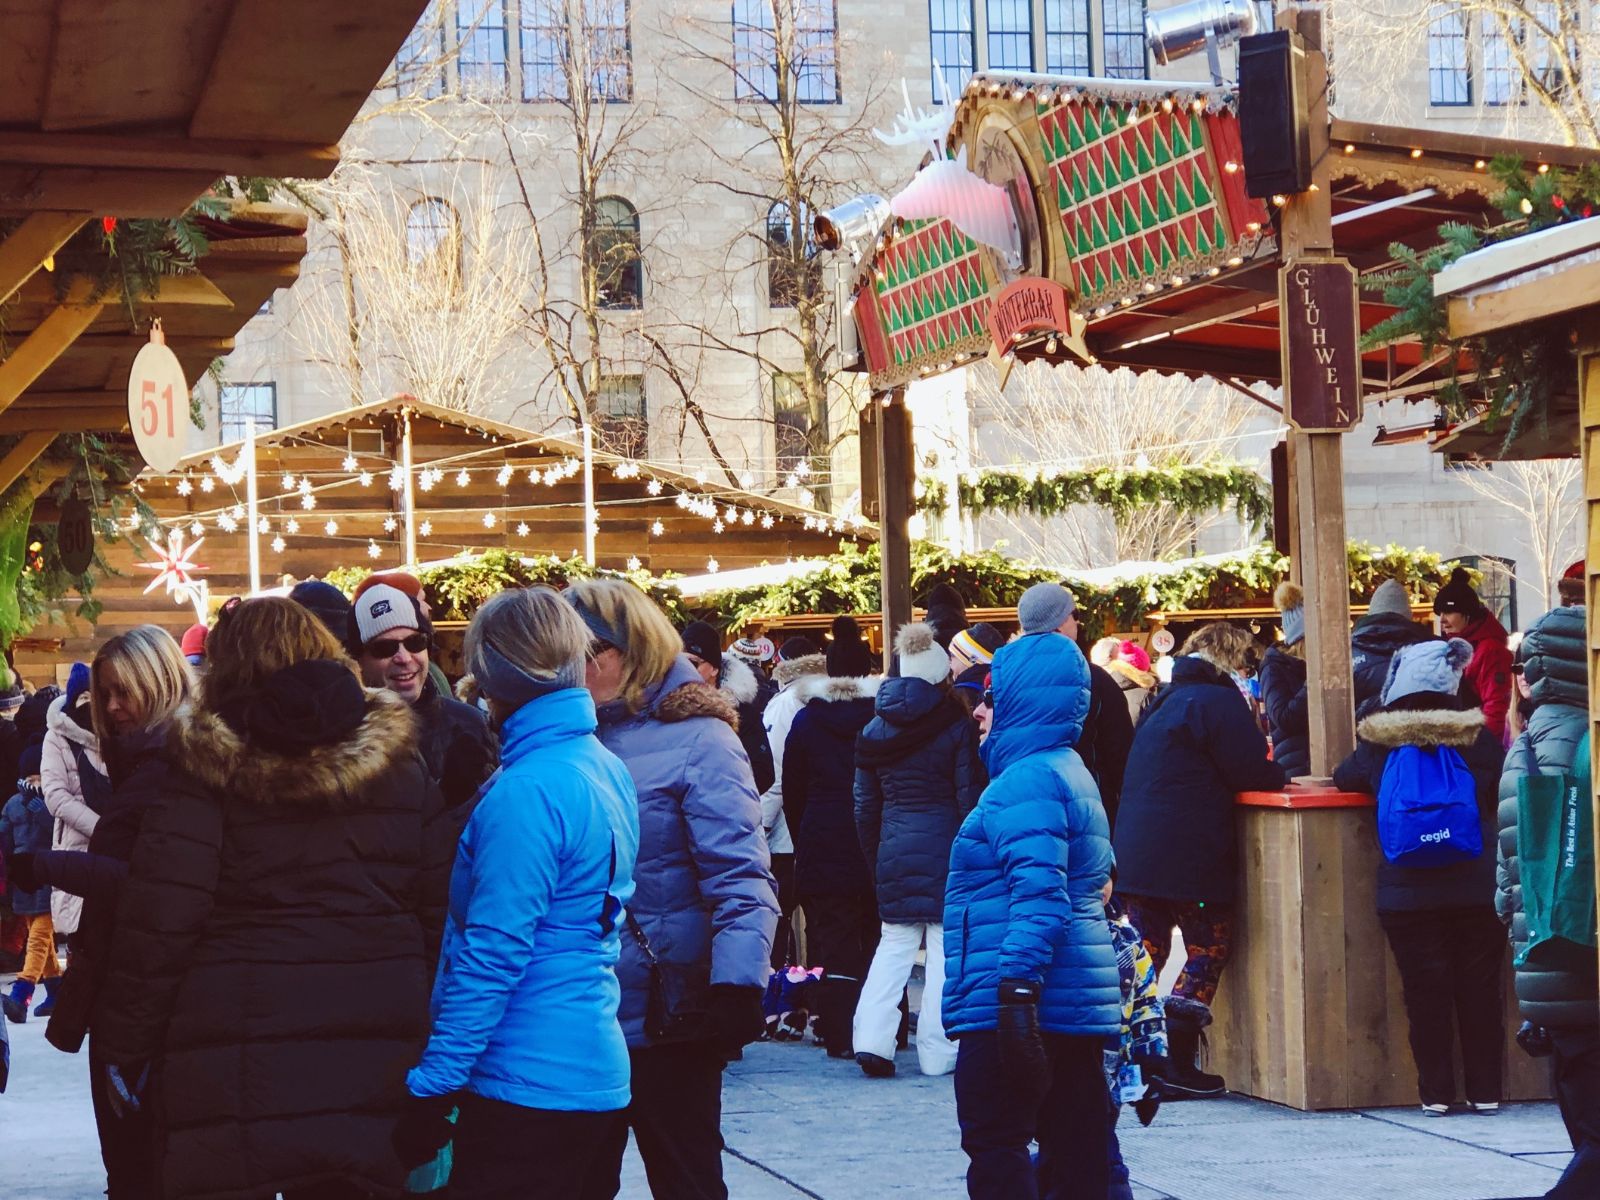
x=734, y=1015
x=20, y=871
x=1022, y=1054
x=423, y=1129
x=1154, y=1071
x=1535, y=1040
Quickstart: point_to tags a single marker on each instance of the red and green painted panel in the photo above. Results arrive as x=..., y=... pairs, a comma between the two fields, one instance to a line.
x=1143, y=202
x=932, y=294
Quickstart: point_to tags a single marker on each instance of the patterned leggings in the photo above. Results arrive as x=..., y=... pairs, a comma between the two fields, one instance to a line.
x=1207, y=937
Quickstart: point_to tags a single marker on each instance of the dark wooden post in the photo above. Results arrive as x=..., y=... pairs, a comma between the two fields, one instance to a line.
x=896, y=479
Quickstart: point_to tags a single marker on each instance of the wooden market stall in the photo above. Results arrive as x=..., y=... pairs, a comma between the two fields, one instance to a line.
x=1136, y=236
x=326, y=499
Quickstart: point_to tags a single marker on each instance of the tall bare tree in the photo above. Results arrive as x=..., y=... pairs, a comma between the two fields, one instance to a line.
x=1543, y=493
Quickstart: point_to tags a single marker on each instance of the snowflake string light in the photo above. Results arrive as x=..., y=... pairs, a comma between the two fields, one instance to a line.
x=207, y=485
x=717, y=526
x=228, y=523
x=633, y=562
x=488, y=520
x=463, y=477
x=657, y=529
x=748, y=517
x=802, y=468
x=535, y=475
x=791, y=480
x=425, y=528
x=175, y=566
x=278, y=544
x=425, y=480
x=700, y=476
x=237, y=512
x=350, y=463
x=292, y=525
x=713, y=566
x=390, y=524
x=196, y=528
x=288, y=481
x=332, y=527
x=373, y=549
x=397, y=479
x=731, y=515
x=838, y=525
x=653, y=487
x=807, y=499
x=308, y=502
x=365, y=479
x=809, y=523
x=185, y=487
x=746, y=480
x=552, y=477
x=522, y=529
x=503, y=477
x=264, y=526
x=766, y=520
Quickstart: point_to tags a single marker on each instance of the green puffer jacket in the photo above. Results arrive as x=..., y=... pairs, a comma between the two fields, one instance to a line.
x=1559, y=991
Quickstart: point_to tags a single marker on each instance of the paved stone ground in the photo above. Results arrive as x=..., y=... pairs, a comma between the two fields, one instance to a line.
x=799, y=1124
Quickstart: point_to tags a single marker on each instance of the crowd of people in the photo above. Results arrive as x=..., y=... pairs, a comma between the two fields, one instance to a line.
x=334, y=929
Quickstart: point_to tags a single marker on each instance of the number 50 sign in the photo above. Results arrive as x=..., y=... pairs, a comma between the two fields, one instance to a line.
x=158, y=403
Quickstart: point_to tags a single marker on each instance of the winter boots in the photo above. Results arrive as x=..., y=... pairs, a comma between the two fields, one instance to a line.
x=875, y=1066
x=1185, y=1080
x=15, y=1002
x=836, y=1013
x=48, y=1005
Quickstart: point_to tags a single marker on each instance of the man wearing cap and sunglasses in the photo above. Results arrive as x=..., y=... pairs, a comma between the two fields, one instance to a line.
x=390, y=637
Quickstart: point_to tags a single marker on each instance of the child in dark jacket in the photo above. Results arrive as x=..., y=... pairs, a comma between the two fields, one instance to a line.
x=1440, y=920
x=25, y=829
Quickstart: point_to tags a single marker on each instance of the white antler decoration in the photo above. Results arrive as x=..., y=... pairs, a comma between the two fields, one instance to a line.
x=915, y=125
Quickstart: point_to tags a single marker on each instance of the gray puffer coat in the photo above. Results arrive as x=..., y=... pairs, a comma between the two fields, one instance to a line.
x=1558, y=991
x=704, y=893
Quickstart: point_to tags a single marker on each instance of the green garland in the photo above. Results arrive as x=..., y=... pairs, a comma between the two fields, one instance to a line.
x=1188, y=487
x=1522, y=370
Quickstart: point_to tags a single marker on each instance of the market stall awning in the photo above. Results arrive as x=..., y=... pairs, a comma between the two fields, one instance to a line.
x=1131, y=198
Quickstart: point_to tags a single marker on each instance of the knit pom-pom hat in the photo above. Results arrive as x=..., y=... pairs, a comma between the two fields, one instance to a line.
x=1291, y=602
x=921, y=657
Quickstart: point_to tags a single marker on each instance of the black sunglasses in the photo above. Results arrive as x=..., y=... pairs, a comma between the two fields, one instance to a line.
x=988, y=697
x=387, y=648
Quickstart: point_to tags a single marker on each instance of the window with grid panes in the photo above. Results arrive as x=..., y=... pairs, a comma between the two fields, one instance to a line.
x=617, y=253
x=814, y=59
x=482, y=40
x=1449, y=66
x=419, y=67
x=952, y=41
x=1010, y=40
x=1123, y=48
x=241, y=402
x=624, y=423
x=791, y=417
x=546, y=38
x=1066, y=37
x=1502, y=83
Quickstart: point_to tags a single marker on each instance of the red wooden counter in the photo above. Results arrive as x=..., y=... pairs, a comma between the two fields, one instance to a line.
x=1309, y=1012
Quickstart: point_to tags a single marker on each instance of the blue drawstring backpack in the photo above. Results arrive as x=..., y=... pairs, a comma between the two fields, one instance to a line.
x=1428, y=808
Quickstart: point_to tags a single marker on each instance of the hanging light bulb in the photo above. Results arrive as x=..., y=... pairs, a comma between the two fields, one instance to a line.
x=463, y=477
x=365, y=479
x=350, y=463
x=522, y=529
x=390, y=524
x=206, y=484
x=278, y=544
x=425, y=528
x=292, y=525
x=185, y=487
x=657, y=528
x=488, y=520
x=332, y=527
x=373, y=549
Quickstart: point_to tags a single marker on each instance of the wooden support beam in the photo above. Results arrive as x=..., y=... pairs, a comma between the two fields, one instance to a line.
x=172, y=291
x=1580, y=288
x=26, y=190
x=44, y=345
x=896, y=503
x=104, y=419
x=60, y=148
x=23, y=455
x=36, y=239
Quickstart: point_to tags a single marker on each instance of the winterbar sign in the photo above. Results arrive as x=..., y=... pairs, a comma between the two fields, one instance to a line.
x=1321, y=347
x=1028, y=306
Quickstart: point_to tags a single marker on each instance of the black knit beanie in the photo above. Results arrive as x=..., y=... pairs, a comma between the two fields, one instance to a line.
x=848, y=655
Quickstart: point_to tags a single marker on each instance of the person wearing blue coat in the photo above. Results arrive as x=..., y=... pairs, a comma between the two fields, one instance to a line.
x=525, y=1034
x=1031, y=986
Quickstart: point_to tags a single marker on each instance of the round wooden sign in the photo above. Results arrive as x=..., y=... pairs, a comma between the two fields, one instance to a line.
x=1162, y=641
x=158, y=406
x=75, y=536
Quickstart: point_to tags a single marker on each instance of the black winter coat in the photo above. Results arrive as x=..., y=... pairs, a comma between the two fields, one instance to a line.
x=1283, y=695
x=1197, y=746
x=750, y=692
x=918, y=775
x=1106, y=739
x=1430, y=721
x=275, y=942
x=819, y=778
x=1374, y=641
x=457, y=745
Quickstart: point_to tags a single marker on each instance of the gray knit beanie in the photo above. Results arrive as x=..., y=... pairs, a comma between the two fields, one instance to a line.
x=1391, y=598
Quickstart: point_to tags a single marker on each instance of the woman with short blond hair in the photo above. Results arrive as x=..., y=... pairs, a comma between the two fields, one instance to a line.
x=705, y=907
x=277, y=931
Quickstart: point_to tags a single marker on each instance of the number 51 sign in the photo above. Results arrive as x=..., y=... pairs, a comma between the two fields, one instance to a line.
x=158, y=403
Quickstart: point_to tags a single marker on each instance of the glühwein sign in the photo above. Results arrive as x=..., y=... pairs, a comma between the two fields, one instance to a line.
x=1321, y=345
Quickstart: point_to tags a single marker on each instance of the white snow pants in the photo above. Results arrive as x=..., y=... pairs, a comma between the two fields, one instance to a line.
x=878, y=1013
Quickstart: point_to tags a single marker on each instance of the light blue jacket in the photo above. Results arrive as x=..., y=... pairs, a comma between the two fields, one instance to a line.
x=525, y=1002
x=1023, y=898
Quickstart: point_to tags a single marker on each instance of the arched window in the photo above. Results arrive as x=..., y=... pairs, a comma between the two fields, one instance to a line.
x=791, y=254
x=615, y=253
x=433, y=235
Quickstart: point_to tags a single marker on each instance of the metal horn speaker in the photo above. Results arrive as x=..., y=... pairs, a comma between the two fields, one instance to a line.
x=851, y=222
x=1186, y=29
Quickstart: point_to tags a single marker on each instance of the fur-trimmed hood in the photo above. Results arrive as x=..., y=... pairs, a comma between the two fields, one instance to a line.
x=682, y=695
x=336, y=775
x=833, y=688
x=1428, y=728
x=786, y=673
x=61, y=721
x=738, y=682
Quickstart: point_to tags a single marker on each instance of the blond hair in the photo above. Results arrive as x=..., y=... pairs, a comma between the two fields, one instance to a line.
x=533, y=628
x=653, y=644
x=256, y=639
x=147, y=666
x=1224, y=645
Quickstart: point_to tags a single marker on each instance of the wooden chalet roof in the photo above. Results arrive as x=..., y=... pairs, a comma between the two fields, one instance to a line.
x=1116, y=169
x=513, y=476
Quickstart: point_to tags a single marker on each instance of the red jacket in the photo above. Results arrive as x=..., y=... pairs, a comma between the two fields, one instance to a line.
x=1489, y=672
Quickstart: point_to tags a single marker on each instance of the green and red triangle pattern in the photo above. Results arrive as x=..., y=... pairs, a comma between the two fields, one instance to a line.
x=931, y=291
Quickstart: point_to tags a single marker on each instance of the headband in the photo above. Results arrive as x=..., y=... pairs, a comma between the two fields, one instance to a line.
x=502, y=680
x=597, y=626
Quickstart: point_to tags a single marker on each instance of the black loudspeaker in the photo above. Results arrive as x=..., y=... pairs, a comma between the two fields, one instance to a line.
x=1280, y=497
x=1272, y=106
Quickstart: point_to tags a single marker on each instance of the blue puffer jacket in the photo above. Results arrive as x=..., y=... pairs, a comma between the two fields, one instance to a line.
x=525, y=1001
x=25, y=827
x=705, y=896
x=1023, y=901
